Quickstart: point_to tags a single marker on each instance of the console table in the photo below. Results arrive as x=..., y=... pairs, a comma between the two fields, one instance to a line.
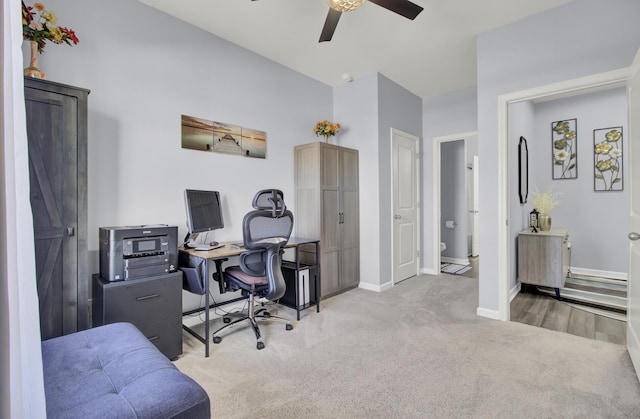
x=305, y=259
x=543, y=257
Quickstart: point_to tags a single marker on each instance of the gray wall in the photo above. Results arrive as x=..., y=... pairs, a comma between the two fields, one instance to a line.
x=398, y=108
x=142, y=79
x=144, y=70
x=597, y=221
x=562, y=44
x=373, y=105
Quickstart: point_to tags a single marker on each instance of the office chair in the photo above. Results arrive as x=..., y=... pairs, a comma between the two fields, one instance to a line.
x=265, y=231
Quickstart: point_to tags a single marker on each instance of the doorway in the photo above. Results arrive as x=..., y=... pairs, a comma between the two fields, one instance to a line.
x=597, y=82
x=455, y=233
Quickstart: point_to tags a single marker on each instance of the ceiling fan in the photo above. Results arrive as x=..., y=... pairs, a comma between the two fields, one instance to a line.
x=402, y=7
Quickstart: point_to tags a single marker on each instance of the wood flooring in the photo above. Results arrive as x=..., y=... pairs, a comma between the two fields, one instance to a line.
x=532, y=308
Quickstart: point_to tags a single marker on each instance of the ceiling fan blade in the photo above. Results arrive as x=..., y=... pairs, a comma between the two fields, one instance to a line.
x=402, y=7
x=330, y=25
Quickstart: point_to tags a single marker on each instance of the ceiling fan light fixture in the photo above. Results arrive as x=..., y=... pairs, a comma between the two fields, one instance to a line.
x=345, y=5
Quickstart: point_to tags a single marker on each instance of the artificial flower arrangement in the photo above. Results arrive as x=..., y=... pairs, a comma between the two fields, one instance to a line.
x=544, y=202
x=38, y=26
x=326, y=129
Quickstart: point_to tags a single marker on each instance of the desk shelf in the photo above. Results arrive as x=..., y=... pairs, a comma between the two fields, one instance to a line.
x=301, y=280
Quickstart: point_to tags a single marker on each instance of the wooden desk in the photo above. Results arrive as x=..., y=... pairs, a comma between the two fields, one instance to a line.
x=221, y=254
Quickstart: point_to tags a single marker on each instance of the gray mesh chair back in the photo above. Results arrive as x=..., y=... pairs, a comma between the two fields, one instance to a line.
x=266, y=230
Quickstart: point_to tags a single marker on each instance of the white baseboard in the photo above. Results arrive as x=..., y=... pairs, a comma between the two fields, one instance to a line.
x=514, y=291
x=457, y=261
x=490, y=314
x=430, y=271
x=495, y=314
x=377, y=288
x=603, y=274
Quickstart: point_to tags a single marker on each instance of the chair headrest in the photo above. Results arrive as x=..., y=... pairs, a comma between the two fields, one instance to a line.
x=270, y=200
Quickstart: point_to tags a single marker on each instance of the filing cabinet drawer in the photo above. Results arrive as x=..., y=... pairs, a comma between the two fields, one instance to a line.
x=153, y=305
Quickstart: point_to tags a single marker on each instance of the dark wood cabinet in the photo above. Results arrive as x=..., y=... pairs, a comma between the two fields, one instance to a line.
x=56, y=117
x=153, y=305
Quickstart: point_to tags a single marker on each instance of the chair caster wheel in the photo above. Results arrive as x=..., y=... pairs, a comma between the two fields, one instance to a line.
x=217, y=339
x=226, y=320
x=260, y=345
x=289, y=326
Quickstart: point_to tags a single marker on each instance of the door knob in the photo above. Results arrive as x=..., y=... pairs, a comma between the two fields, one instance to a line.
x=633, y=236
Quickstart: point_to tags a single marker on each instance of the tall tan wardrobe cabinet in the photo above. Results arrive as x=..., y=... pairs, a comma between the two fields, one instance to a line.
x=327, y=206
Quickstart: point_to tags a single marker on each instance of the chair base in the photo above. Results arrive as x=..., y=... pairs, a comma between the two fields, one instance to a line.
x=262, y=314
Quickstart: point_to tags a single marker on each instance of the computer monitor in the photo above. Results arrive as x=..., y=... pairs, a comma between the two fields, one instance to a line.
x=204, y=212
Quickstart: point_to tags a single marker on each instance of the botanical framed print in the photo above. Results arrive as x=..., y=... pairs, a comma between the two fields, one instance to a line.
x=220, y=137
x=564, y=141
x=608, y=164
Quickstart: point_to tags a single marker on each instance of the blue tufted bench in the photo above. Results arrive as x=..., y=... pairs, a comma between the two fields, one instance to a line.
x=113, y=371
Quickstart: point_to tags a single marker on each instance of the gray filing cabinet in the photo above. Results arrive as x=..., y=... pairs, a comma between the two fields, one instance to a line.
x=153, y=305
x=543, y=257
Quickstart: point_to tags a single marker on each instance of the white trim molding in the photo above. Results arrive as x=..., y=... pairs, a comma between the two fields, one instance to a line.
x=601, y=81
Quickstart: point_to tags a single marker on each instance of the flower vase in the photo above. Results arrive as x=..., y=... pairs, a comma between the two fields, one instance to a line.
x=326, y=138
x=544, y=221
x=33, y=70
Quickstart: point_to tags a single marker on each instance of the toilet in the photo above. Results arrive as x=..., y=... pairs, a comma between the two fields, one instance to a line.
x=442, y=247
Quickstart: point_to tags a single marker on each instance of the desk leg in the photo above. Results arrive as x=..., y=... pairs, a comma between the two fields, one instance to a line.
x=206, y=310
x=296, y=282
x=318, y=277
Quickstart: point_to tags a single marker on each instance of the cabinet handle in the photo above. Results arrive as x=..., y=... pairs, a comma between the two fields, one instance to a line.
x=634, y=236
x=70, y=231
x=146, y=297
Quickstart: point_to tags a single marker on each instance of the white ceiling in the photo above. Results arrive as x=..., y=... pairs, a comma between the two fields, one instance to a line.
x=434, y=54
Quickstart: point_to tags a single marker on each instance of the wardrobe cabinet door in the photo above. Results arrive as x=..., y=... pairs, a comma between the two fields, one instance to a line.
x=56, y=131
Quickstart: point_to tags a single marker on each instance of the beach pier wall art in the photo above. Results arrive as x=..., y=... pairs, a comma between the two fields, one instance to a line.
x=219, y=137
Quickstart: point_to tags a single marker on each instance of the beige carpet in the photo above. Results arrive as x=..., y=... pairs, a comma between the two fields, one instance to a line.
x=415, y=351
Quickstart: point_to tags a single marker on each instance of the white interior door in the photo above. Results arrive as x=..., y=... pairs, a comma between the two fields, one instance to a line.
x=405, y=205
x=633, y=309
x=475, y=238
